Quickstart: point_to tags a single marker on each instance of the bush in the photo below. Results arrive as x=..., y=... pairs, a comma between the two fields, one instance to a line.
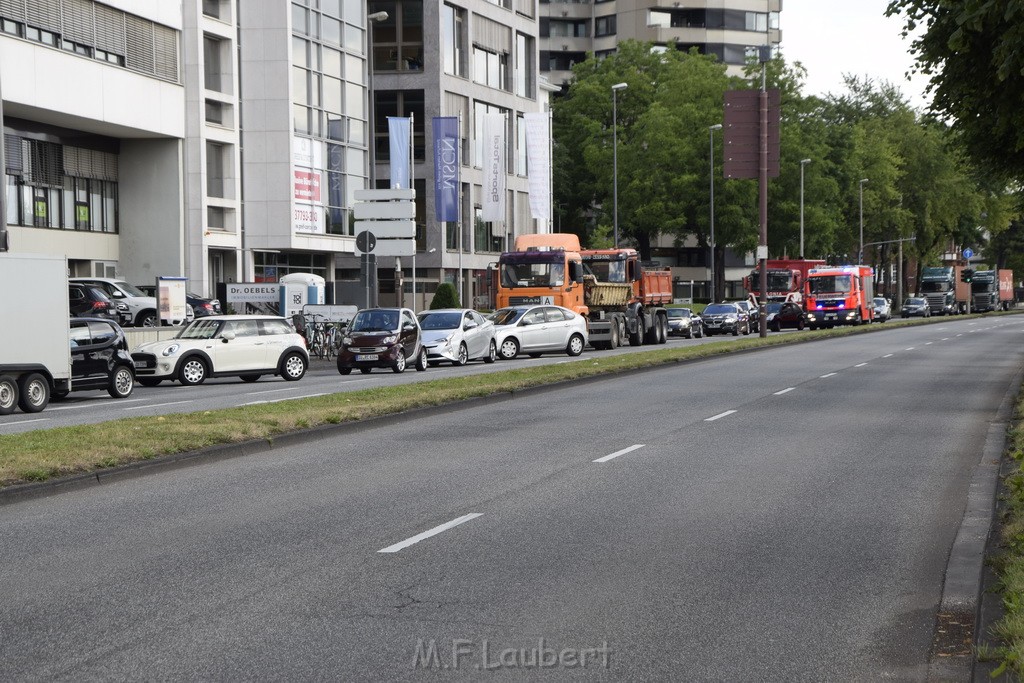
x=445, y=297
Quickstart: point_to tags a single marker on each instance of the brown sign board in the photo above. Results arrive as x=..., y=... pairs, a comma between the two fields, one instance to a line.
x=742, y=133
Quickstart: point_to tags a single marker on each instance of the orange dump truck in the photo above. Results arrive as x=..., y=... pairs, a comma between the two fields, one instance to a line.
x=620, y=298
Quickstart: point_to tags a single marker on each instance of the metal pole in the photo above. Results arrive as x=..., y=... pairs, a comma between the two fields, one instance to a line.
x=711, y=159
x=763, y=197
x=458, y=225
x=899, y=271
x=860, y=253
x=615, y=157
x=803, y=162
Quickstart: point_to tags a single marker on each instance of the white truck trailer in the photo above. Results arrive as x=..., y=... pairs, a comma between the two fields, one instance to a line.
x=35, y=342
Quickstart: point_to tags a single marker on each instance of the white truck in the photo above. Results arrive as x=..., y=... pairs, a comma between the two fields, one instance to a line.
x=35, y=341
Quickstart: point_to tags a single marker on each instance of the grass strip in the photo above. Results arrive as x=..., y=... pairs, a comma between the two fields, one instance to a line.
x=44, y=454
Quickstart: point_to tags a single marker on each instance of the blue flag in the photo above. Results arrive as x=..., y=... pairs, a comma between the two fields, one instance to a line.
x=399, y=130
x=446, y=168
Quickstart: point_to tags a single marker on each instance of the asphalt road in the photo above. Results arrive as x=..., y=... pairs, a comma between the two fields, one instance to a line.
x=783, y=515
x=88, y=407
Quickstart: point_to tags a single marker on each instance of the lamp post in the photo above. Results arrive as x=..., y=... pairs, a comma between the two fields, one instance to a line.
x=711, y=160
x=615, y=157
x=371, y=111
x=860, y=253
x=803, y=162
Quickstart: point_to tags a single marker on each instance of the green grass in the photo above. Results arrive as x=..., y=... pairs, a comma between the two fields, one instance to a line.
x=45, y=454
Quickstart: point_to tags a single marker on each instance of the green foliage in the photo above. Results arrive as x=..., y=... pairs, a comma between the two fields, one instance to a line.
x=446, y=296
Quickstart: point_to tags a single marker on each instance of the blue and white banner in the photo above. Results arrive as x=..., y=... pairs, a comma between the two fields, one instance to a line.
x=538, y=162
x=399, y=130
x=492, y=139
x=446, y=168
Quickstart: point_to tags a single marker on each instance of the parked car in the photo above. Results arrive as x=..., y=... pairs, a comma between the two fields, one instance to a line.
x=382, y=338
x=99, y=358
x=246, y=346
x=85, y=301
x=457, y=335
x=534, y=330
x=915, y=307
x=683, y=321
x=725, y=318
x=141, y=307
x=201, y=306
x=883, y=308
x=779, y=314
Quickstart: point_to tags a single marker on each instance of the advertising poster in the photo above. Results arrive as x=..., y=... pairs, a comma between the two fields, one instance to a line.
x=307, y=180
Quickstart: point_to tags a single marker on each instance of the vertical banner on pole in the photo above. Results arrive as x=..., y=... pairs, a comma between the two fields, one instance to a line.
x=538, y=137
x=399, y=133
x=446, y=168
x=495, y=174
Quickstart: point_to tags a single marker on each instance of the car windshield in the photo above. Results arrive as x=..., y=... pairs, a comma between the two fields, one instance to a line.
x=200, y=329
x=914, y=302
x=440, y=321
x=772, y=307
x=879, y=302
x=718, y=309
x=374, y=321
x=508, y=316
x=829, y=284
x=679, y=312
x=130, y=290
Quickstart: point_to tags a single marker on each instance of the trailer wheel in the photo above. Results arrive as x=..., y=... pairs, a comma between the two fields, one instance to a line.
x=35, y=393
x=8, y=394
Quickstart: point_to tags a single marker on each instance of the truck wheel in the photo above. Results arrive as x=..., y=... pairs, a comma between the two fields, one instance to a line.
x=651, y=335
x=636, y=338
x=35, y=393
x=615, y=342
x=121, y=382
x=662, y=329
x=8, y=394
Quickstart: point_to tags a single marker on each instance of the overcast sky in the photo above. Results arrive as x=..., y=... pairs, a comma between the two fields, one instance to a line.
x=836, y=37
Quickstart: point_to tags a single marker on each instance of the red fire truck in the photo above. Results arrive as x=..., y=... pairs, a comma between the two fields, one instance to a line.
x=839, y=295
x=785, y=278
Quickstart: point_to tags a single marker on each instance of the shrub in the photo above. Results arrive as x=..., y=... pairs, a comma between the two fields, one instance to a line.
x=445, y=297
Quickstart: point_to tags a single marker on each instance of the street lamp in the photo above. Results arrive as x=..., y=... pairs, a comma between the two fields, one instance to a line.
x=615, y=157
x=711, y=160
x=371, y=111
x=803, y=162
x=860, y=254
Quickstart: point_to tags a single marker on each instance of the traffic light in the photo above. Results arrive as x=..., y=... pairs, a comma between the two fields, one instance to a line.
x=966, y=275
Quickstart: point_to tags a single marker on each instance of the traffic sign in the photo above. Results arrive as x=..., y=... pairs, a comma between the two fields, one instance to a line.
x=365, y=242
x=968, y=253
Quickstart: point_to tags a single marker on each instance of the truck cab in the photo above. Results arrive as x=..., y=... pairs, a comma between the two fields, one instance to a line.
x=842, y=295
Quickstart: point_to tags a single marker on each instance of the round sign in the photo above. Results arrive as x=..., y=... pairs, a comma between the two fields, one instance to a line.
x=968, y=253
x=365, y=241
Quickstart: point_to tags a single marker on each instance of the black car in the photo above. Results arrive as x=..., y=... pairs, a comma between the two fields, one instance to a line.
x=100, y=358
x=683, y=321
x=86, y=301
x=915, y=307
x=725, y=318
x=382, y=338
x=785, y=314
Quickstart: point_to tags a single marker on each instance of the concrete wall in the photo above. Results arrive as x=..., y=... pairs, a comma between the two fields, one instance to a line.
x=152, y=210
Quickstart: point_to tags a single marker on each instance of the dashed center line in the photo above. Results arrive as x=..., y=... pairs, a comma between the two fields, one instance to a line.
x=430, y=532
x=927, y=343
x=719, y=416
x=888, y=355
x=279, y=400
x=909, y=348
x=944, y=339
x=784, y=391
x=24, y=422
x=860, y=365
x=616, y=454
x=831, y=374
x=157, y=405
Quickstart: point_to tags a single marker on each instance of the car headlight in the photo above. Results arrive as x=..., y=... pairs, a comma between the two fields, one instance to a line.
x=729, y=320
x=346, y=341
x=810, y=316
x=171, y=350
x=391, y=339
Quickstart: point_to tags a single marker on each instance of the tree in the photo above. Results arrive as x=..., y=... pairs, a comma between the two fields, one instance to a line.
x=446, y=296
x=970, y=50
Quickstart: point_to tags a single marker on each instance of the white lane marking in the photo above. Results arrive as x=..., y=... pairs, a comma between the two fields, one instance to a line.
x=888, y=355
x=278, y=400
x=270, y=391
x=157, y=405
x=784, y=391
x=860, y=365
x=959, y=335
x=719, y=416
x=92, y=405
x=909, y=348
x=24, y=422
x=831, y=374
x=944, y=339
x=616, y=454
x=430, y=532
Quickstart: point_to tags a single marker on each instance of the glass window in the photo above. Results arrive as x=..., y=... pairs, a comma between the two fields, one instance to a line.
x=332, y=63
x=300, y=49
x=300, y=19
x=330, y=30
x=212, y=72
x=214, y=169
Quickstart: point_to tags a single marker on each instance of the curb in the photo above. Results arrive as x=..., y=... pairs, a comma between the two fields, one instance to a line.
x=952, y=657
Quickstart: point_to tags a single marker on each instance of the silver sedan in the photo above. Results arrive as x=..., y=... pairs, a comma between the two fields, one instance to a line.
x=534, y=330
x=457, y=335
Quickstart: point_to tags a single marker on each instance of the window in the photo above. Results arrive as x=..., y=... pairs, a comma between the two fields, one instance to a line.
x=756, y=21
x=398, y=103
x=524, y=66
x=398, y=40
x=212, y=72
x=490, y=68
x=604, y=26
x=484, y=239
x=215, y=112
x=453, y=39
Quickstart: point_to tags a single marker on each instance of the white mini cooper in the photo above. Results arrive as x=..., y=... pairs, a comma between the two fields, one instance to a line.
x=246, y=346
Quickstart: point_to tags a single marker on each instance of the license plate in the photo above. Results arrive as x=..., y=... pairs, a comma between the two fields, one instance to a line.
x=830, y=316
x=367, y=356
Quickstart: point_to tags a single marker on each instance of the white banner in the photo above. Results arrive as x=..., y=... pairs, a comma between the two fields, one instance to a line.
x=538, y=161
x=492, y=139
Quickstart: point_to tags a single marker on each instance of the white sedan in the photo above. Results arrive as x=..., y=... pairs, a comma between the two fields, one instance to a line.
x=534, y=330
x=457, y=335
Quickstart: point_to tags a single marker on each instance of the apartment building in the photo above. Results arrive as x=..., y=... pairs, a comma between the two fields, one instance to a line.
x=225, y=140
x=728, y=29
